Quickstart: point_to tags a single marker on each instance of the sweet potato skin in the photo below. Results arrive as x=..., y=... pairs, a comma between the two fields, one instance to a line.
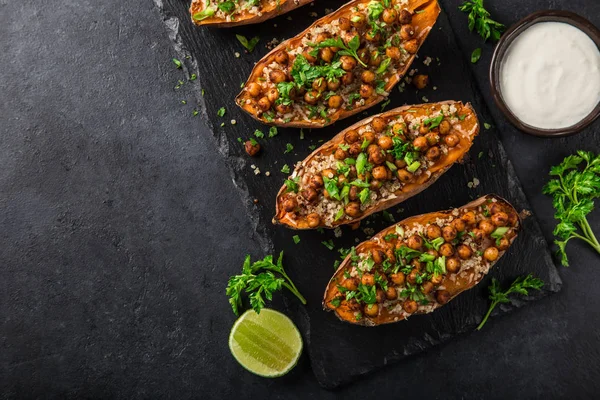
x=285, y=7
x=455, y=287
x=423, y=21
x=470, y=127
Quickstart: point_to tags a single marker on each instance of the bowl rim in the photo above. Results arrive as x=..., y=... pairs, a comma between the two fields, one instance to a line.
x=504, y=43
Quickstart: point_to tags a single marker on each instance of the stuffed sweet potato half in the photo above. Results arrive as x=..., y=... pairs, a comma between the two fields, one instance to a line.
x=375, y=164
x=342, y=64
x=421, y=263
x=227, y=13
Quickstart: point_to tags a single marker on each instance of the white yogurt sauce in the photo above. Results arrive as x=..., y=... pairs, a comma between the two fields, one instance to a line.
x=550, y=76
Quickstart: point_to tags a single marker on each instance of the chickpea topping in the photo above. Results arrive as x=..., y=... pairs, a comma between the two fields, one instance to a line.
x=328, y=173
x=310, y=58
x=283, y=108
x=433, y=231
x=326, y=54
x=358, y=20
x=313, y=220
x=350, y=283
x=410, y=306
x=264, y=104
x=411, y=46
x=340, y=154
x=351, y=136
x=405, y=17
x=420, y=81
x=347, y=78
x=436, y=279
x=373, y=36
x=478, y=234
x=375, y=184
x=335, y=101
x=447, y=250
x=369, y=137
x=378, y=124
x=423, y=130
x=375, y=59
x=366, y=91
x=444, y=127
x=354, y=149
x=385, y=142
x=407, y=32
x=379, y=296
x=290, y=204
x=400, y=163
x=491, y=254
x=310, y=195
x=427, y=287
x=253, y=89
x=353, y=195
x=449, y=233
x=487, y=227
x=433, y=153
x=333, y=84
x=319, y=85
x=442, y=296
x=459, y=225
x=464, y=251
x=353, y=209
x=399, y=129
x=368, y=279
x=376, y=156
x=380, y=173
x=251, y=149
x=348, y=63
x=420, y=143
x=282, y=57
x=415, y=242
x=344, y=24
x=397, y=278
x=377, y=256
x=451, y=140
x=277, y=76
x=368, y=76
x=469, y=218
x=371, y=310
x=391, y=293
x=316, y=182
x=452, y=265
x=389, y=16
x=404, y=176
x=311, y=97
x=500, y=219
x=393, y=53
x=273, y=95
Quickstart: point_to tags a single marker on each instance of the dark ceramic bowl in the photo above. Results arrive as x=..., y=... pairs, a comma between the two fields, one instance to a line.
x=503, y=45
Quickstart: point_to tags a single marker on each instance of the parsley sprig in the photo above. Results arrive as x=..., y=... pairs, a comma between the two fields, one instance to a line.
x=350, y=50
x=573, y=192
x=258, y=279
x=479, y=19
x=519, y=286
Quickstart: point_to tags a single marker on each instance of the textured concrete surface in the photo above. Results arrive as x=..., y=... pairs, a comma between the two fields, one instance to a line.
x=111, y=279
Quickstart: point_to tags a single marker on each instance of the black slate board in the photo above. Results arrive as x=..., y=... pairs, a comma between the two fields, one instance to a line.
x=340, y=352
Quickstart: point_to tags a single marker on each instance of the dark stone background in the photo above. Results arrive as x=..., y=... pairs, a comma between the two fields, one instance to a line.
x=111, y=275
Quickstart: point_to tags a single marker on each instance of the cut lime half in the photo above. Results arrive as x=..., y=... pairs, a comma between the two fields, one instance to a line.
x=267, y=344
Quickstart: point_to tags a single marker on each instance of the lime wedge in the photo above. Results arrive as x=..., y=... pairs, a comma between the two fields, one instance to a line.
x=267, y=344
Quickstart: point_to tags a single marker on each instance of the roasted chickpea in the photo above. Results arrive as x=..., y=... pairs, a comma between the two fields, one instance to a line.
x=427, y=287
x=379, y=173
x=385, y=142
x=513, y=219
x=355, y=149
x=277, y=76
x=253, y=89
x=378, y=256
x=281, y=57
x=347, y=78
x=335, y=101
x=405, y=17
x=319, y=85
x=333, y=84
x=368, y=279
x=399, y=128
x=442, y=296
x=353, y=209
x=477, y=234
x=469, y=218
x=378, y=124
x=451, y=140
x=310, y=194
x=490, y=254
x=433, y=153
x=407, y=32
x=464, y=251
x=350, y=283
x=389, y=16
x=400, y=163
x=351, y=136
x=452, y=265
x=433, y=231
x=371, y=310
x=251, y=149
x=397, y=278
x=449, y=233
x=423, y=130
x=410, y=306
x=344, y=24
x=311, y=97
x=393, y=52
x=326, y=54
x=375, y=59
x=379, y=296
x=368, y=76
x=436, y=279
x=487, y=227
x=290, y=204
x=459, y=225
x=372, y=36
x=366, y=91
x=353, y=194
x=420, y=81
x=322, y=36
x=358, y=20
x=316, y=182
x=404, y=175
x=370, y=137
x=328, y=173
x=391, y=293
x=411, y=46
x=348, y=63
x=375, y=184
x=313, y=220
x=377, y=157
x=415, y=242
x=264, y=104
x=432, y=138
x=500, y=219
x=340, y=154
x=420, y=143
x=444, y=127
x=447, y=250
x=503, y=244
x=273, y=95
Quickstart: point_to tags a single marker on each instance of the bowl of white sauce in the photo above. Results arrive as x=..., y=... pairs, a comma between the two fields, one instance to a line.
x=545, y=73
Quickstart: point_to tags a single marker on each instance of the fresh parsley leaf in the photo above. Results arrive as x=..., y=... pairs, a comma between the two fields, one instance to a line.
x=292, y=185
x=259, y=134
x=227, y=7
x=476, y=55
x=248, y=44
x=206, y=13
x=288, y=148
x=296, y=239
x=221, y=111
x=329, y=244
x=479, y=20
x=285, y=169
x=272, y=131
x=177, y=63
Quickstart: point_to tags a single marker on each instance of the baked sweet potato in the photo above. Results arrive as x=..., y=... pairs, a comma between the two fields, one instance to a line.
x=342, y=64
x=228, y=13
x=375, y=164
x=421, y=263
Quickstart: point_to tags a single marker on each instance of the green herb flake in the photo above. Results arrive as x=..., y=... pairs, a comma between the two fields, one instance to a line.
x=177, y=63
x=476, y=55
x=221, y=111
x=288, y=148
x=285, y=169
x=296, y=239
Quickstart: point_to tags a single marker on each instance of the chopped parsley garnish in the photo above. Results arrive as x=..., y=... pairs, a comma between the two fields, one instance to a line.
x=285, y=169
x=296, y=239
x=292, y=184
x=476, y=55
x=259, y=134
x=248, y=44
x=177, y=63
x=221, y=111
x=288, y=148
x=349, y=50
x=329, y=244
x=272, y=131
x=479, y=19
